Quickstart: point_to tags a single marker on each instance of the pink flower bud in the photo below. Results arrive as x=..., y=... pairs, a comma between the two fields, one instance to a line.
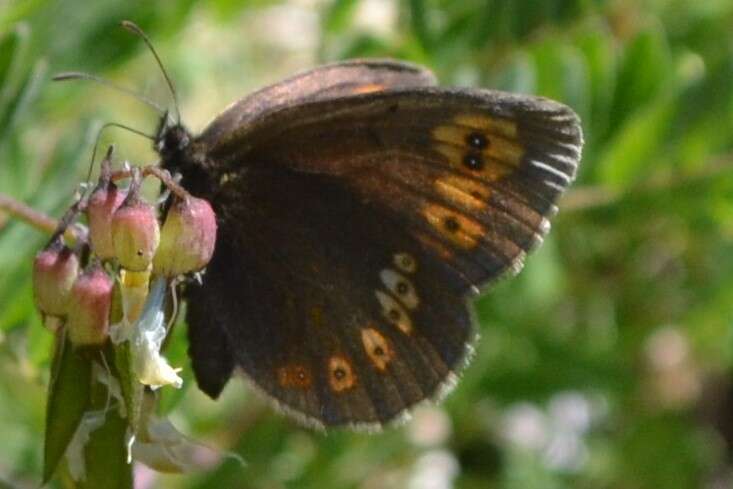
x=89, y=307
x=135, y=234
x=54, y=271
x=187, y=238
x=103, y=202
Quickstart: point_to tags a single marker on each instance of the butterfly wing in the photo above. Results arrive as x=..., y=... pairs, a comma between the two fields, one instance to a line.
x=329, y=307
x=352, y=231
x=321, y=83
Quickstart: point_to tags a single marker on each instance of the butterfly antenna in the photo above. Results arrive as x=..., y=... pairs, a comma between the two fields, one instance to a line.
x=111, y=148
x=77, y=75
x=132, y=27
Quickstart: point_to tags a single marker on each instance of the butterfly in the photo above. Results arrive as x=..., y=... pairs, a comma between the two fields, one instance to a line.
x=360, y=208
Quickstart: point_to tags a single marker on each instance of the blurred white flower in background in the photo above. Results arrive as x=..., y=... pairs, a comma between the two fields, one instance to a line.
x=673, y=375
x=435, y=469
x=555, y=434
x=288, y=26
x=525, y=425
x=570, y=411
x=378, y=17
x=430, y=426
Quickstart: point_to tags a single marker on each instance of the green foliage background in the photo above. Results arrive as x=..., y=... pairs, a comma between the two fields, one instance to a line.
x=605, y=364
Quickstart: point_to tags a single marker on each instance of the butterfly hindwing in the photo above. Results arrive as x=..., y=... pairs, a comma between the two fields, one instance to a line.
x=321, y=83
x=321, y=318
x=352, y=230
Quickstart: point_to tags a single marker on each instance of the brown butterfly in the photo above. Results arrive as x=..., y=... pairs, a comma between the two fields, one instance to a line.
x=360, y=207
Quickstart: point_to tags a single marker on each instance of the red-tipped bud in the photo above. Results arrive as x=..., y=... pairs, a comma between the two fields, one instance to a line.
x=187, y=238
x=135, y=234
x=54, y=271
x=103, y=202
x=89, y=307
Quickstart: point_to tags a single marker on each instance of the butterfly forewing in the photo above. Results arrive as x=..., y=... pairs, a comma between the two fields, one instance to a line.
x=471, y=173
x=352, y=228
x=325, y=82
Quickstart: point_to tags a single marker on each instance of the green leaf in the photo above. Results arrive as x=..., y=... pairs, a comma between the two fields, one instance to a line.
x=562, y=75
x=13, y=69
x=419, y=24
x=68, y=399
x=598, y=50
x=632, y=152
x=21, y=101
x=13, y=48
x=518, y=75
x=645, y=68
x=338, y=16
x=105, y=455
x=132, y=389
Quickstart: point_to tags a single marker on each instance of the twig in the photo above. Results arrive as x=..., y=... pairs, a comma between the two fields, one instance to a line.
x=162, y=175
x=36, y=219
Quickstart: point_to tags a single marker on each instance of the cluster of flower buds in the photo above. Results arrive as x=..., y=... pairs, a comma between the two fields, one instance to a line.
x=90, y=302
x=55, y=270
x=135, y=230
x=125, y=240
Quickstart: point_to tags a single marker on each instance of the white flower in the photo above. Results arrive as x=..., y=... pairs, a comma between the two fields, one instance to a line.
x=163, y=448
x=147, y=337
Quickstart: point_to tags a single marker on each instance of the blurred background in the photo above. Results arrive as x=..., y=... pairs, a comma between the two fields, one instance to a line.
x=605, y=364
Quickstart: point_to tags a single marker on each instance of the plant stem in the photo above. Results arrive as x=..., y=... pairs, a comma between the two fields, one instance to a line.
x=34, y=218
x=162, y=175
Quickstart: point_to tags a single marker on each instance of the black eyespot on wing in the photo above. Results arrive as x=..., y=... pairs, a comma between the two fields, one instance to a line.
x=473, y=161
x=477, y=140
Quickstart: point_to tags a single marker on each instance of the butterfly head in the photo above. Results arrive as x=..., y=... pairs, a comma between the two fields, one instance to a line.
x=172, y=139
